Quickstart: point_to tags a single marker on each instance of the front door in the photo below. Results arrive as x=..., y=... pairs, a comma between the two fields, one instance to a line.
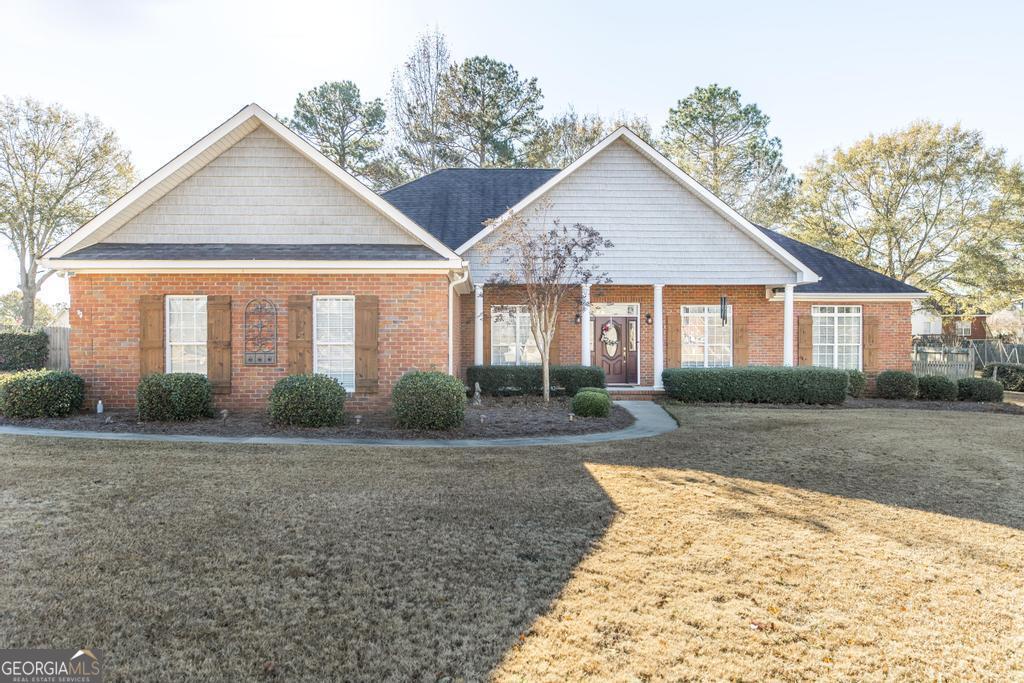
x=615, y=345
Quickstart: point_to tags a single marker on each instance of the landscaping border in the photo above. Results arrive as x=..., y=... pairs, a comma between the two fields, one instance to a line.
x=651, y=420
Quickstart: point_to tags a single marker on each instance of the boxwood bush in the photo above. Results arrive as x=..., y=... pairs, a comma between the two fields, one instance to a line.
x=588, y=403
x=429, y=400
x=307, y=401
x=23, y=350
x=936, y=388
x=175, y=396
x=896, y=384
x=41, y=393
x=979, y=389
x=1010, y=375
x=858, y=382
x=514, y=380
x=757, y=385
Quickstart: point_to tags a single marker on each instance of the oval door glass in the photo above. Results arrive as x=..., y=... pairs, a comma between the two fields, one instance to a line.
x=610, y=339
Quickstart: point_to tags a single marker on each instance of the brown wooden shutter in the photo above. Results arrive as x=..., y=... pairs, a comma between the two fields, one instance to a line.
x=218, y=343
x=487, y=335
x=673, y=340
x=805, y=340
x=151, y=334
x=740, y=339
x=300, y=334
x=366, y=344
x=871, y=361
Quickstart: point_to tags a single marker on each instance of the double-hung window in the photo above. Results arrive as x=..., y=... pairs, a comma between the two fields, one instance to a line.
x=334, y=338
x=963, y=328
x=185, y=320
x=837, y=335
x=512, y=341
x=706, y=339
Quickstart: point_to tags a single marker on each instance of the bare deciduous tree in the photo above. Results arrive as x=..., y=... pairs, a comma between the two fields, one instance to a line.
x=550, y=262
x=57, y=170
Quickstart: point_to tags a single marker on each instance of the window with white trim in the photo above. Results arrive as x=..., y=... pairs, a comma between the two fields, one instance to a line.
x=334, y=338
x=185, y=321
x=512, y=341
x=706, y=339
x=837, y=336
x=963, y=327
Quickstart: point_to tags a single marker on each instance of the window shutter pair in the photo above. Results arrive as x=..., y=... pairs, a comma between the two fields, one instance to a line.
x=218, y=339
x=300, y=339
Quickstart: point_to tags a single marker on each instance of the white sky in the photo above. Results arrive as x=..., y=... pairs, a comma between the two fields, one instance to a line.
x=164, y=73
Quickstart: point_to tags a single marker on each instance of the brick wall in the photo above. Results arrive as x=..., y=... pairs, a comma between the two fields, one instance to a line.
x=413, y=327
x=765, y=321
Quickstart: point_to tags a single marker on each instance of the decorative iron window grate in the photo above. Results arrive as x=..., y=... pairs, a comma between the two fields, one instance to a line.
x=260, y=332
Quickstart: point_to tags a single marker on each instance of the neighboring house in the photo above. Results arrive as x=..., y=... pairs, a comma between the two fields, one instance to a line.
x=251, y=256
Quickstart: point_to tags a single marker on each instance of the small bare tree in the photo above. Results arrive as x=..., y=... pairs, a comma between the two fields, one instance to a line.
x=551, y=262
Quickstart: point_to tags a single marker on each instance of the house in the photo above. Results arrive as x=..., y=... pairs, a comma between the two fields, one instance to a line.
x=251, y=256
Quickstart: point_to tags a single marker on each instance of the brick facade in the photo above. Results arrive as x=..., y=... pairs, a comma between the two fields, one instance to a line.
x=764, y=322
x=413, y=327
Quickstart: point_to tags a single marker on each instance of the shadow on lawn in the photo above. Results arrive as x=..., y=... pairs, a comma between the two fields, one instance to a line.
x=238, y=563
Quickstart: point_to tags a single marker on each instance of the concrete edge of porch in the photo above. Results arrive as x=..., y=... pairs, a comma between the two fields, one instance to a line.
x=651, y=420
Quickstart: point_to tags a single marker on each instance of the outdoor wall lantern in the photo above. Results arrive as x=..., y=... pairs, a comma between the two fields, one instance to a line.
x=578, y=319
x=648, y=319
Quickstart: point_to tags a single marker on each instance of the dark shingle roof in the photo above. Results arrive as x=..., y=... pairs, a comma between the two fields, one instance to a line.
x=453, y=203
x=837, y=274
x=254, y=252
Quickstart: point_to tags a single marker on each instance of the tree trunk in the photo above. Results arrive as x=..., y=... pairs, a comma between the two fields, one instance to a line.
x=546, y=375
x=28, y=304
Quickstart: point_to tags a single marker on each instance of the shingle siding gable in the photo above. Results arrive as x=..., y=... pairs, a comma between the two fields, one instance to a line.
x=260, y=190
x=662, y=232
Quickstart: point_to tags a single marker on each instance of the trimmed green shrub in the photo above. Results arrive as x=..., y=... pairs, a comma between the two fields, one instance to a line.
x=757, y=385
x=429, y=400
x=1010, y=375
x=307, y=401
x=596, y=390
x=979, y=389
x=588, y=403
x=936, y=388
x=175, y=396
x=516, y=380
x=41, y=393
x=858, y=382
x=23, y=350
x=896, y=384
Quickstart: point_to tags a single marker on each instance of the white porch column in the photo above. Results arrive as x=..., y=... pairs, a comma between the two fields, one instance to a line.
x=478, y=325
x=585, y=327
x=787, y=327
x=659, y=336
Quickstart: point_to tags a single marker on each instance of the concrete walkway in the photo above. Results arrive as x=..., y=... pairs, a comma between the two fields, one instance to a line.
x=651, y=420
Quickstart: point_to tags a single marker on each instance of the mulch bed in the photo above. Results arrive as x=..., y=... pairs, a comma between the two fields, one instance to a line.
x=887, y=404
x=495, y=418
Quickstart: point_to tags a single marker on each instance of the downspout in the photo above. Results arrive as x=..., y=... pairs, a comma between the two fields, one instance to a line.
x=451, y=318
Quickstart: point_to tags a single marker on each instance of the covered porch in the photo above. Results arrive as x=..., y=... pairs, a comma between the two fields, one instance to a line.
x=633, y=332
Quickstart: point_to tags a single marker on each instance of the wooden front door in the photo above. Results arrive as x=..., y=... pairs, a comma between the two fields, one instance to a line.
x=615, y=348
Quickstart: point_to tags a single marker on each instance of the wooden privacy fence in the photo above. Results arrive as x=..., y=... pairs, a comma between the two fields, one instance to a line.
x=60, y=355
x=952, y=363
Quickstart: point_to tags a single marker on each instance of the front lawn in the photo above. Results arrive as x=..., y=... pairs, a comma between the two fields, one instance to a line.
x=750, y=544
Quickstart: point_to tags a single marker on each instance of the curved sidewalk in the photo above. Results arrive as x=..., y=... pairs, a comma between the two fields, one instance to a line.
x=651, y=420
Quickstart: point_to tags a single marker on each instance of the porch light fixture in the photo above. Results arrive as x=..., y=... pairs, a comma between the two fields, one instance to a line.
x=648, y=319
x=578, y=319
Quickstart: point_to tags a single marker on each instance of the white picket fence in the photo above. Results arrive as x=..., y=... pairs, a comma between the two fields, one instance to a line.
x=952, y=363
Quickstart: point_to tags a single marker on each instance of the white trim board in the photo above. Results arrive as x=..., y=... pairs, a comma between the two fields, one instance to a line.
x=208, y=148
x=851, y=297
x=804, y=273
x=113, y=266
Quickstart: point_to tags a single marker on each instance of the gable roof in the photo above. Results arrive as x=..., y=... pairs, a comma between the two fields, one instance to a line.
x=803, y=273
x=839, y=276
x=453, y=203
x=208, y=148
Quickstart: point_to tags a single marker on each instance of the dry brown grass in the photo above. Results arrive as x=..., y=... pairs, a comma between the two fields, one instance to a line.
x=750, y=544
